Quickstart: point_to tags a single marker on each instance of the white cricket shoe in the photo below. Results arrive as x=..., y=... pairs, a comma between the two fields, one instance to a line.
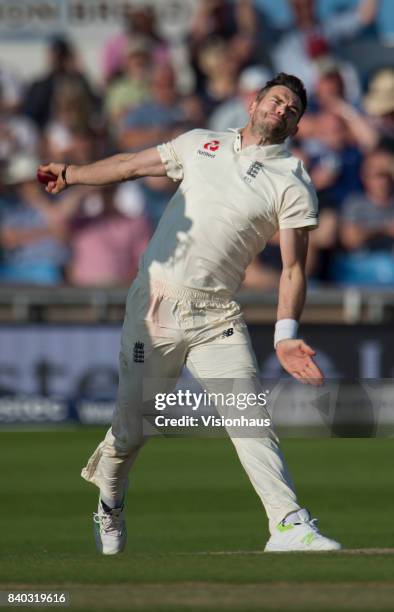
x=299, y=532
x=110, y=530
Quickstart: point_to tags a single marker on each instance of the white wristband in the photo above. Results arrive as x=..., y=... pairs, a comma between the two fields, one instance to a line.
x=285, y=329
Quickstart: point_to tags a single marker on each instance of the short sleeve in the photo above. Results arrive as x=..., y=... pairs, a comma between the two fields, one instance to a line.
x=172, y=164
x=299, y=207
x=174, y=154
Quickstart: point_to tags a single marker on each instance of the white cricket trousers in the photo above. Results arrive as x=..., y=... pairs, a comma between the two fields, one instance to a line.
x=165, y=328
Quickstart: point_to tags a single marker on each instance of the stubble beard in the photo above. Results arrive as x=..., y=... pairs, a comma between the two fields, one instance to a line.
x=266, y=132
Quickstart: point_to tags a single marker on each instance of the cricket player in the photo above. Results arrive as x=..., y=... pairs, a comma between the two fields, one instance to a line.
x=236, y=189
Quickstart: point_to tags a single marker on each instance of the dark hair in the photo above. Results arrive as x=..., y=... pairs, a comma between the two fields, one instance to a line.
x=61, y=47
x=291, y=82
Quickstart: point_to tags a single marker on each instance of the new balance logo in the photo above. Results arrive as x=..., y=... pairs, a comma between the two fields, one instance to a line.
x=228, y=332
x=139, y=355
x=254, y=169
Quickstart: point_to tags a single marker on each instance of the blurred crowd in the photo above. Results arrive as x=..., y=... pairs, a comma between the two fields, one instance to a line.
x=94, y=237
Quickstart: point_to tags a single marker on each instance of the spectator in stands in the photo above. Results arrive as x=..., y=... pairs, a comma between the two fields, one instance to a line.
x=222, y=19
x=140, y=21
x=86, y=145
x=307, y=41
x=330, y=84
x=379, y=104
x=219, y=66
x=33, y=238
x=367, y=226
x=11, y=89
x=234, y=112
x=334, y=82
x=40, y=94
x=335, y=159
x=71, y=113
x=240, y=25
x=133, y=87
x=323, y=240
x=375, y=129
x=17, y=132
x=106, y=245
x=157, y=120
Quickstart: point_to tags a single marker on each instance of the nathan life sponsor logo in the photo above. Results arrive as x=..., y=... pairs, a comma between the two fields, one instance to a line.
x=209, y=149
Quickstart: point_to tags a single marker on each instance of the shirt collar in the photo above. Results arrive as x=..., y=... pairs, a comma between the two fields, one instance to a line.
x=264, y=151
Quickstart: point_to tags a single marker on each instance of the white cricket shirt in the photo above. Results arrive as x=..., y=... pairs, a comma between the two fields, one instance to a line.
x=229, y=203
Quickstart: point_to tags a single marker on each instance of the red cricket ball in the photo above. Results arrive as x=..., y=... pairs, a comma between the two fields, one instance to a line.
x=45, y=177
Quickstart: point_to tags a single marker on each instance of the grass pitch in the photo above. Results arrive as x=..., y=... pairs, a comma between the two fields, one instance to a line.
x=196, y=527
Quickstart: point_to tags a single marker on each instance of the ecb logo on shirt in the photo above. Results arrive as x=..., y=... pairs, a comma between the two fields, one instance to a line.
x=252, y=171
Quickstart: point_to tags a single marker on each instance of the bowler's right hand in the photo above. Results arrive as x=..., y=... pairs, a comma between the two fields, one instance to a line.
x=60, y=184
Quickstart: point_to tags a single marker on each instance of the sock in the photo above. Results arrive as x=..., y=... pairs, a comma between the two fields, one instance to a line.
x=109, y=504
x=296, y=516
x=291, y=518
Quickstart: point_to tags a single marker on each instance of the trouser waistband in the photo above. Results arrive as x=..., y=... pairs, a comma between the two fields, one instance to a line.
x=170, y=290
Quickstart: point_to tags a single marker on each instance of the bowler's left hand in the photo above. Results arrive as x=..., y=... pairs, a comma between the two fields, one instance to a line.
x=295, y=356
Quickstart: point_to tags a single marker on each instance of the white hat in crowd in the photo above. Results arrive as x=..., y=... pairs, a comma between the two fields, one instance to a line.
x=253, y=78
x=21, y=168
x=380, y=96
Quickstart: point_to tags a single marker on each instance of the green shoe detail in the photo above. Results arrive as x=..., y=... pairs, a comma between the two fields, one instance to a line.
x=308, y=539
x=283, y=528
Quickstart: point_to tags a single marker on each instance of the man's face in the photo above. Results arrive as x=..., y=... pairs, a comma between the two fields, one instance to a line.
x=276, y=115
x=303, y=11
x=377, y=173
